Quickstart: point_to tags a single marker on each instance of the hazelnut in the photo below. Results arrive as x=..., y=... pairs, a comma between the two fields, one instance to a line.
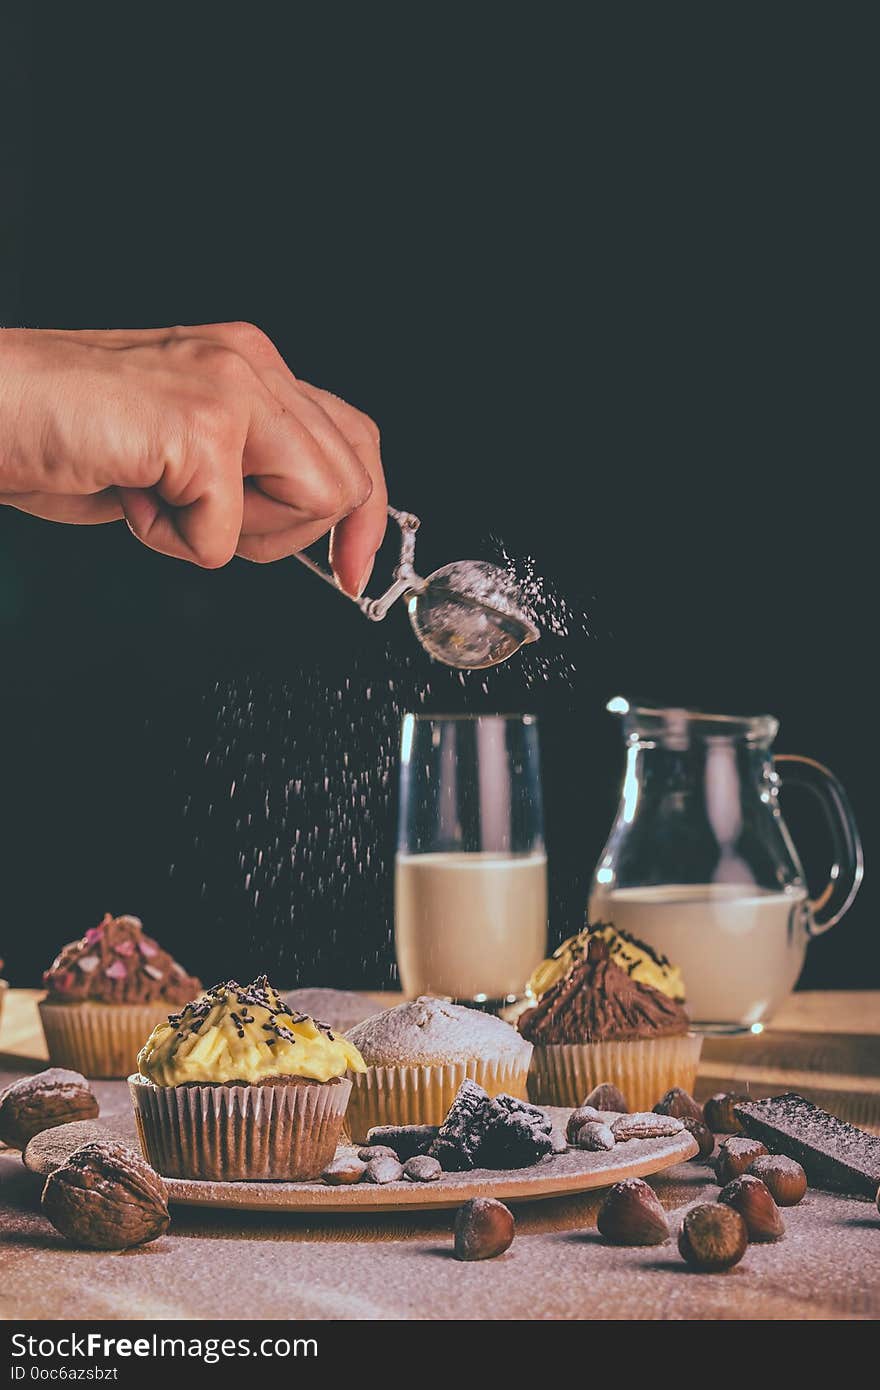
x=382, y=1170
x=422, y=1168
x=678, y=1103
x=34, y=1103
x=483, y=1229
x=718, y=1112
x=784, y=1177
x=632, y=1215
x=367, y=1152
x=712, y=1237
x=106, y=1197
x=342, y=1172
x=595, y=1137
x=734, y=1157
x=584, y=1115
x=607, y=1097
x=752, y=1199
x=704, y=1137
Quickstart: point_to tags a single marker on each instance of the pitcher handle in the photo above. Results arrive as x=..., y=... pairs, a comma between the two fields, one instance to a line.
x=848, y=867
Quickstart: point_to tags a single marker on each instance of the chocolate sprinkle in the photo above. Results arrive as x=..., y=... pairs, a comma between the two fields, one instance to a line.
x=259, y=995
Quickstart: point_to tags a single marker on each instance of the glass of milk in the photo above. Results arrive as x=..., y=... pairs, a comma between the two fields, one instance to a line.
x=700, y=864
x=470, y=891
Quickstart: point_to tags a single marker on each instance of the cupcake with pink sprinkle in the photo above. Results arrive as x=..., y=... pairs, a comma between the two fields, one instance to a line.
x=105, y=993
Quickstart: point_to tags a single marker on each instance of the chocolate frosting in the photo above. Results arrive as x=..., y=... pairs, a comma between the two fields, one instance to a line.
x=599, y=1002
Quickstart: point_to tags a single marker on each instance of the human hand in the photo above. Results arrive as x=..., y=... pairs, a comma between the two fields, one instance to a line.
x=200, y=438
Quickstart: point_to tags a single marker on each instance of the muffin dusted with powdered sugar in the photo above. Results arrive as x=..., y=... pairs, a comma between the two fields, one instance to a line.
x=429, y=1031
x=419, y=1053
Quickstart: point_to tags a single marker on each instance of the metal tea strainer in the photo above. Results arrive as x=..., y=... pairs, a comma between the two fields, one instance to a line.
x=469, y=614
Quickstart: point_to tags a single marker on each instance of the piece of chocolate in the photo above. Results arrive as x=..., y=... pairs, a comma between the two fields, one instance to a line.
x=832, y=1153
x=485, y=1132
x=461, y=1135
x=404, y=1140
x=517, y=1134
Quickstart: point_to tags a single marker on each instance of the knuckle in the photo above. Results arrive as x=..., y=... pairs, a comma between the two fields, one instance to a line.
x=224, y=364
x=360, y=489
x=367, y=430
x=260, y=550
x=363, y=431
x=211, y=423
x=317, y=481
x=322, y=494
x=213, y=553
x=374, y=434
x=191, y=355
x=246, y=337
x=335, y=491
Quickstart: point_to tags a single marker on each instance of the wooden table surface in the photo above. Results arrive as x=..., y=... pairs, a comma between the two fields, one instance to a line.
x=216, y=1265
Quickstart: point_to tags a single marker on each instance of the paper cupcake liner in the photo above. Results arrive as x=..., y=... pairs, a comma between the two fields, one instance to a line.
x=241, y=1133
x=100, y=1040
x=564, y=1074
x=421, y=1095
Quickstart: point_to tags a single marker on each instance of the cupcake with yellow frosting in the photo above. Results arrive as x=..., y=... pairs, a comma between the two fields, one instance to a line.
x=643, y=964
x=238, y=1086
x=606, y=1009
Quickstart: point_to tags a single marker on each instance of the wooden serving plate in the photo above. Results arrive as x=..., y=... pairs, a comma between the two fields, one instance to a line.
x=558, y=1175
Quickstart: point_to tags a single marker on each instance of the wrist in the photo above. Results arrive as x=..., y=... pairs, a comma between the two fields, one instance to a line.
x=22, y=415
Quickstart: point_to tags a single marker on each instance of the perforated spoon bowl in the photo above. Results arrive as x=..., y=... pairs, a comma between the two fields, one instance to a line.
x=468, y=614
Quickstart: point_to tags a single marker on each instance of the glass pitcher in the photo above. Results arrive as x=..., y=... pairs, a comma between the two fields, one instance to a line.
x=700, y=865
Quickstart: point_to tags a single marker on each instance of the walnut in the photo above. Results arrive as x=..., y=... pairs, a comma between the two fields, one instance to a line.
x=106, y=1197
x=34, y=1103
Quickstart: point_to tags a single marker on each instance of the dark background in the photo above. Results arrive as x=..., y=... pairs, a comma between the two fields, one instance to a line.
x=605, y=284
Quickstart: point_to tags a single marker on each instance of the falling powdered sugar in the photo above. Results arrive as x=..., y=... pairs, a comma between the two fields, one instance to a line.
x=289, y=809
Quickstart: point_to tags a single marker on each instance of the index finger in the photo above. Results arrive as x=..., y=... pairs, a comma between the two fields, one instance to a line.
x=355, y=540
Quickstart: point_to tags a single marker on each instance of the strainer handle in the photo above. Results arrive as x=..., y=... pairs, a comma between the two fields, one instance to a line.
x=405, y=580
